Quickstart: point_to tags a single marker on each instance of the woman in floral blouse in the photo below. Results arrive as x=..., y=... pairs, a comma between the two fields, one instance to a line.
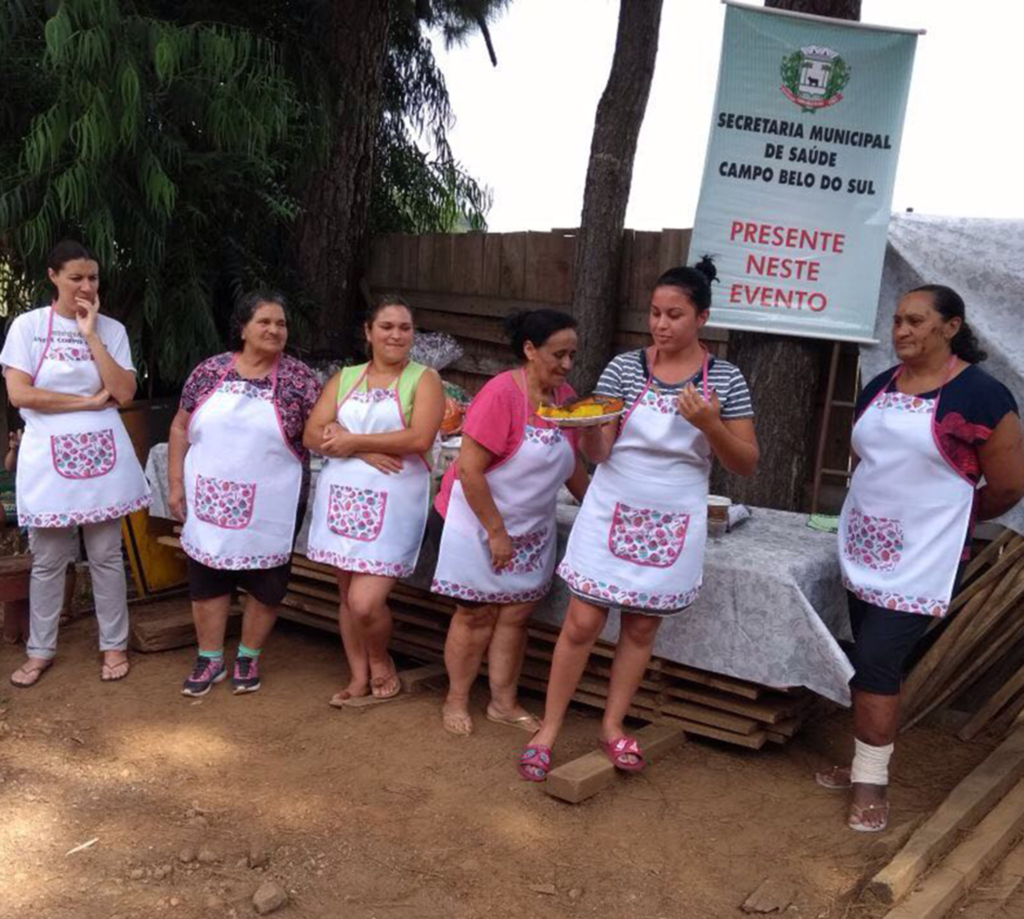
x=238, y=476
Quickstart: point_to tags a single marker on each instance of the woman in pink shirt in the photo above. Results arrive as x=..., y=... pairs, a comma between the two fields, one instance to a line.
x=497, y=549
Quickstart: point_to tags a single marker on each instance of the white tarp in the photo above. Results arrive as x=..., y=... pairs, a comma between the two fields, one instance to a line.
x=983, y=260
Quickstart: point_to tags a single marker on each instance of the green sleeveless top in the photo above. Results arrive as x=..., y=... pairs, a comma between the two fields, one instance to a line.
x=407, y=382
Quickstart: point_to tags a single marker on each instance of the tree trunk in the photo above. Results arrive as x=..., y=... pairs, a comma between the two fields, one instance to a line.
x=331, y=231
x=620, y=113
x=786, y=375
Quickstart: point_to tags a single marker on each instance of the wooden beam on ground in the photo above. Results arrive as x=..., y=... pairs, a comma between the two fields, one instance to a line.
x=985, y=845
x=993, y=706
x=584, y=777
x=964, y=806
x=1004, y=881
x=422, y=678
x=167, y=624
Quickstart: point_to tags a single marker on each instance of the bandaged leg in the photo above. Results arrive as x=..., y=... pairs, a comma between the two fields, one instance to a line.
x=870, y=764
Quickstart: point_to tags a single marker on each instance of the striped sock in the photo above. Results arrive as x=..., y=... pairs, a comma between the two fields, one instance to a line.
x=243, y=651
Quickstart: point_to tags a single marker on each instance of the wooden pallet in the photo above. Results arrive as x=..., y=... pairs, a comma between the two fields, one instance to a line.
x=981, y=631
x=702, y=703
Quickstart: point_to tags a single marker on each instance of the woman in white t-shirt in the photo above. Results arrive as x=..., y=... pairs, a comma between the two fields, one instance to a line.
x=68, y=369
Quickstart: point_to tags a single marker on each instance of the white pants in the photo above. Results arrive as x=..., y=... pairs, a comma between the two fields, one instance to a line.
x=53, y=549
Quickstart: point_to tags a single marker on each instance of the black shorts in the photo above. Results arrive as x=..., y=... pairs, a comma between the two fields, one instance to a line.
x=268, y=585
x=432, y=535
x=883, y=639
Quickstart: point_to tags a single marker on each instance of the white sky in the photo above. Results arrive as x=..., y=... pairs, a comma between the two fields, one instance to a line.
x=524, y=127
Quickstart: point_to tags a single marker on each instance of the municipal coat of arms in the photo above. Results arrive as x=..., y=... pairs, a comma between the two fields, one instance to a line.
x=814, y=77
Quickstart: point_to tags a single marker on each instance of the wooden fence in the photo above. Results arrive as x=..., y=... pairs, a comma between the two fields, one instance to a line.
x=465, y=284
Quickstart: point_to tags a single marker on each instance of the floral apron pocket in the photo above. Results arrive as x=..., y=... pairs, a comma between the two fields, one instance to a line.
x=645, y=536
x=874, y=542
x=528, y=552
x=87, y=455
x=223, y=503
x=356, y=513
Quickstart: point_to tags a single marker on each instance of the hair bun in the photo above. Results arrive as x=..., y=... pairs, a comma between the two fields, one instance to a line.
x=513, y=323
x=706, y=266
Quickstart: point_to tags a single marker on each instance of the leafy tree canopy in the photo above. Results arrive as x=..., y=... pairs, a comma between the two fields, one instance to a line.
x=174, y=138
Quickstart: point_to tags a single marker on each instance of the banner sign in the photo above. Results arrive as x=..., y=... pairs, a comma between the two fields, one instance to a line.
x=797, y=188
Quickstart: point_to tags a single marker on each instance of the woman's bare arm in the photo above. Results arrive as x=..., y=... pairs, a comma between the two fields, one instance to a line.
x=1002, y=465
x=23, y=394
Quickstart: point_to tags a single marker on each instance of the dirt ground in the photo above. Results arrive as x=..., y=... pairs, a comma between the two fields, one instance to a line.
x=381, y=814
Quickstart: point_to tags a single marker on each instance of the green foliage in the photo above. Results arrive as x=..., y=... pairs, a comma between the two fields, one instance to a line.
x=838, y=77
x=158, y=144
x=790, y=71
x=175, y=138
x=413, y=191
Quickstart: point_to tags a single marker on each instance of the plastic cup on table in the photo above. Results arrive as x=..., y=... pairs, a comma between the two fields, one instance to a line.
x=718, y=515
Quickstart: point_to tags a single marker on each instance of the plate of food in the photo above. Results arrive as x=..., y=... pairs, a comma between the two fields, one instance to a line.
x=583, y=413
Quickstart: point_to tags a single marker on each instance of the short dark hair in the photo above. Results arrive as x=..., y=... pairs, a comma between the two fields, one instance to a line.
x=950, y=305
x=68, y=250
x=534, y=326
x=246, y=308
x=693, y=281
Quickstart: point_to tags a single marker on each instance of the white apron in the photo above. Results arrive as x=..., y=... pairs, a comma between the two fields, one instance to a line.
x=524, y=487
x=364, y=520
x=75, y=467
x=905, y=520
x=638, y=541
x=242, y=479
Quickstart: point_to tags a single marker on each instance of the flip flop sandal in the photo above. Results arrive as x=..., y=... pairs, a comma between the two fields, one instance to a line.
x=616, y=749
x=525, y=722
x=341, y=697
x=106, y=669
x=378, y=682
x=535, y=763
x=34, y=674
x=859, y=811
x=835, y=778
x=458, y=723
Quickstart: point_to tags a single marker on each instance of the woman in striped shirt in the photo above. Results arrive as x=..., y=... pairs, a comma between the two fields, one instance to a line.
x=638, y=541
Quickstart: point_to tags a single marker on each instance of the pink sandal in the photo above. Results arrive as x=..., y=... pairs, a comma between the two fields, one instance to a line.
x=535, y=763
x=623, y=746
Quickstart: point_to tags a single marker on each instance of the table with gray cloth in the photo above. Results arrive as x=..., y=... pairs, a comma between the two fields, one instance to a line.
x=770, y=609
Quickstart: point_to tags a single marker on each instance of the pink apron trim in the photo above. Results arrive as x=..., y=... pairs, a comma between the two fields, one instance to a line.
x=273, y=400
x=277, y=409
x=212, y=392
x=341, y=398
x=934, y=413
x=46, y=346
x=652, y=358
x=526, y=424
x=53, y=457
x=401, y=410
x=395, y=397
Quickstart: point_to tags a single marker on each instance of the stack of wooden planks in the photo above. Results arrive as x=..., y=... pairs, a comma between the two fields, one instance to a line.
x=705, y=704
x=979, y=638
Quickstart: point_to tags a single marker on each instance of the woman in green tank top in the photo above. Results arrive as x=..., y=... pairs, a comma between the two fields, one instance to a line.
x=375, y=424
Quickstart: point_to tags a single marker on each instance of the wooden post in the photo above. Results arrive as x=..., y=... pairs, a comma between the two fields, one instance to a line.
x=826, y=416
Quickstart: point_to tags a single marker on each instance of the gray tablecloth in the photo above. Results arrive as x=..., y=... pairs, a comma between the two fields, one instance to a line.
x=770, y=608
